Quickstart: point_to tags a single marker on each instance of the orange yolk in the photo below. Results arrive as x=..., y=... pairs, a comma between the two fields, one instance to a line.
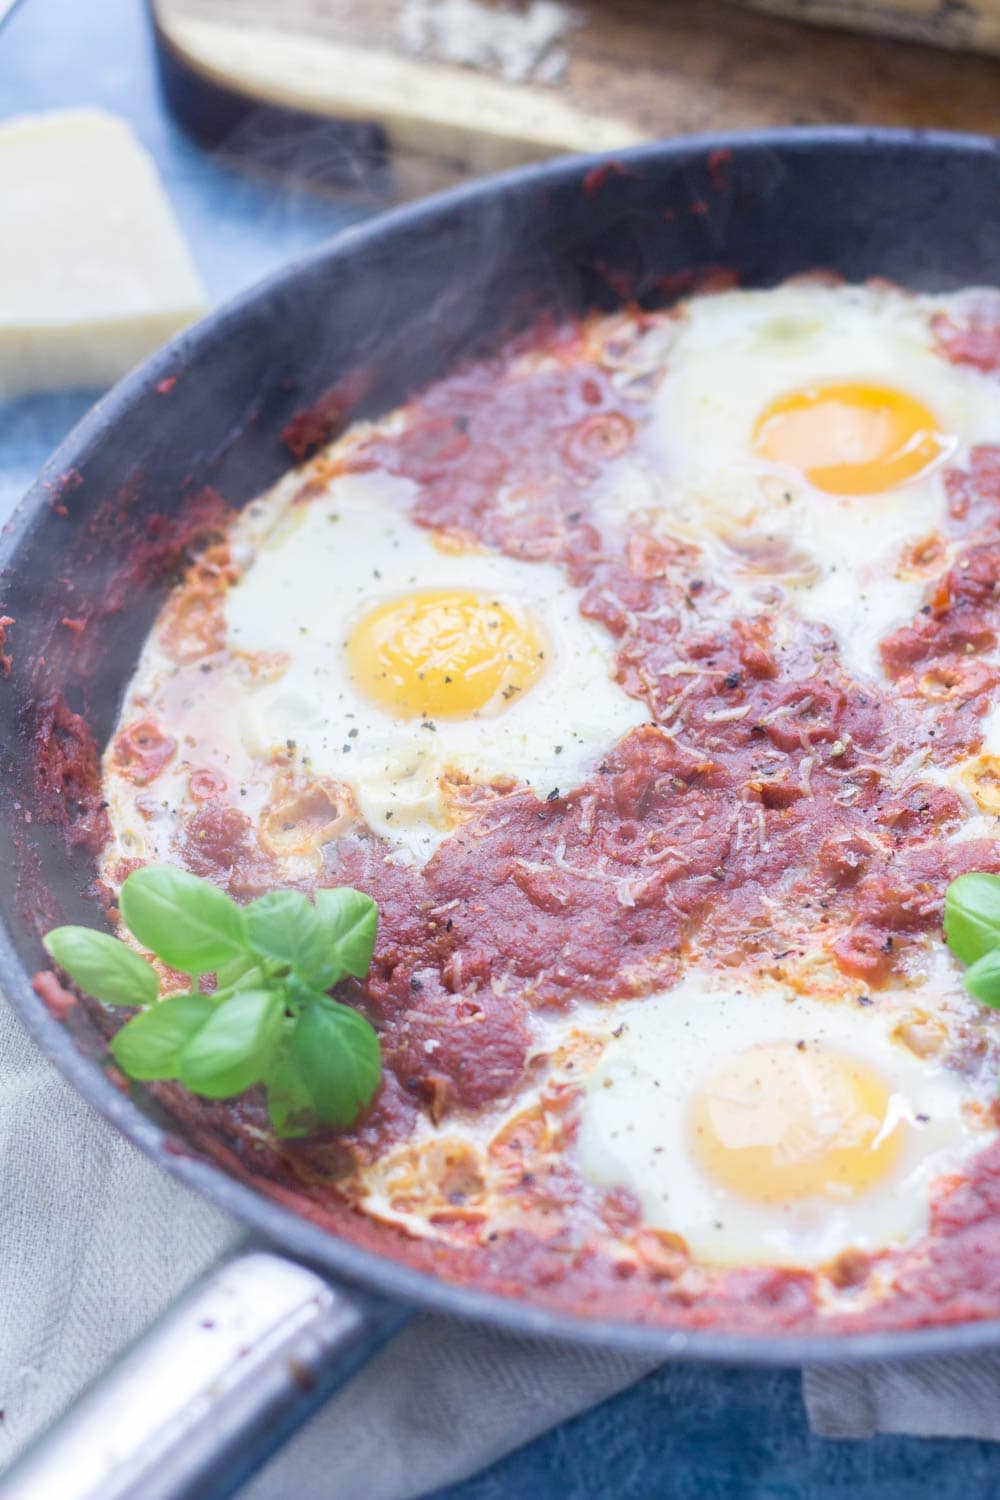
x=780, y=1122
x=444, y=654
x=848, y=438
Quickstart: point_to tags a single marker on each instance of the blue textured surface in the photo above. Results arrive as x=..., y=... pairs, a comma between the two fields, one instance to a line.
x=682, y=1434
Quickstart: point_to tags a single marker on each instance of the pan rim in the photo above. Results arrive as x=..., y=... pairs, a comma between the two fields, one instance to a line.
x=350, y=1264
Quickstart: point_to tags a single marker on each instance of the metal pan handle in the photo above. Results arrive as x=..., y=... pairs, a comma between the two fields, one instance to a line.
x=204, y=1397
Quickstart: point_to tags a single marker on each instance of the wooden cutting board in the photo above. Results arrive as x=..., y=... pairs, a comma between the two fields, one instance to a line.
x=458, y=86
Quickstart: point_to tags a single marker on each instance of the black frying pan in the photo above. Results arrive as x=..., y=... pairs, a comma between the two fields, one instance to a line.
x=402, y=298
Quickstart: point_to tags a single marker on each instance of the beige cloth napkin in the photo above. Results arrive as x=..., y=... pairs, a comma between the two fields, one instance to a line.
x=950, y=1397
x=95, y=1240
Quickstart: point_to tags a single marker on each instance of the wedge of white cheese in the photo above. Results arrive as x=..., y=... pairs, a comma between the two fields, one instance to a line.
x=94, y=273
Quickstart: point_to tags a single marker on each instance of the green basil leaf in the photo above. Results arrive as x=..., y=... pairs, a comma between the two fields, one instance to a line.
x=233, y=1048
x=289, y=1102
x=149, y=1046
x=337, y=1055
x=982, y=979
x=242, y=972
x=286, y=927
x=350, y=919
x=102, y=966
x=972, y=916
x=189, y=923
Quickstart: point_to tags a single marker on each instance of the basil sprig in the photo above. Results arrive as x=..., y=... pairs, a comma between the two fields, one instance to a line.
x=972, y=932
x=268, y=1019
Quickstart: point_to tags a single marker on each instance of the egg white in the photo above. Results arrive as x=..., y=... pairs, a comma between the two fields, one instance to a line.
x=318, y=567
x=633, y=1128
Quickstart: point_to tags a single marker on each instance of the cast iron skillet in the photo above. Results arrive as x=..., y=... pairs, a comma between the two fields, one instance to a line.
x=402, y=298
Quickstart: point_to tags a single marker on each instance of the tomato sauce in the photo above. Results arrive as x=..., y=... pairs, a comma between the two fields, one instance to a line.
x=766, y=795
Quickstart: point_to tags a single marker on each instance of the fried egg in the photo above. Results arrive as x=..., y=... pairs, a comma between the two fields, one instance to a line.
x=766, y=1126
x=799, y=436
x=407, y=666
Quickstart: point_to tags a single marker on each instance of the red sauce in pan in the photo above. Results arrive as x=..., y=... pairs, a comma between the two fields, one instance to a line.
x=690, y=823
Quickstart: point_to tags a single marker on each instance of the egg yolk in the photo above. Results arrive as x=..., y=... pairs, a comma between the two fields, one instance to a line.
x=445, y=654
x=848, y=438
x=780, y=1122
